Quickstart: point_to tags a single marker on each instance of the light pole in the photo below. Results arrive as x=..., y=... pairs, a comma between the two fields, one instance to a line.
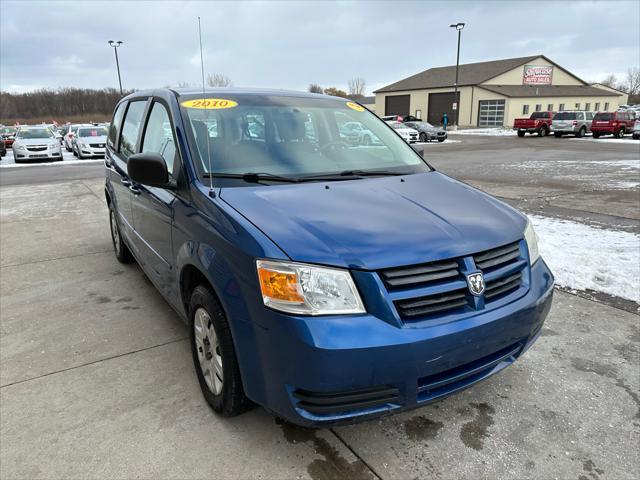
x=458, y=27
x=115, y=46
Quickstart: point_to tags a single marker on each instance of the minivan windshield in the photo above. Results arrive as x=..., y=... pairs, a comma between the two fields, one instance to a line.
x=565, y=116
x=292, y=137
x=29, y=133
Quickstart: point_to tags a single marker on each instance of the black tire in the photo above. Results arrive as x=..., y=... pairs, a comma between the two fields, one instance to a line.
x=543, y=132
x=557, y=134
x=120, y=248
x=595, y=135
x=79, y=154
x=231, y=400
x=440, y=139
x=581, y=133
x=620, y=133
x=66, y=147
x=635, y=136
x=423, y=137
x=521, y=133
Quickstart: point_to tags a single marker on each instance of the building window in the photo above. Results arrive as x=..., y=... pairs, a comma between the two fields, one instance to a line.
x=561, y=108
x=597, y=107
x=538, y=107
x=418, y=113
x=606, y=106
x=525, y=109
x=587, y=106
x=550, y=107
x=491, y=113
x=577, y=106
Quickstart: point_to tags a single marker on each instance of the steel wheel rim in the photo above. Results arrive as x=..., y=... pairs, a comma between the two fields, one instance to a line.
x=208, y=349
x=115, y=234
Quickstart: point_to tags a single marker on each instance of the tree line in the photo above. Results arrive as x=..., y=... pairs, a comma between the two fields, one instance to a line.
x=59, y=105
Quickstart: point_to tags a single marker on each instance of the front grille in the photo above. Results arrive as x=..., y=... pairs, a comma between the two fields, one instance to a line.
x=416, y=275
x=342, y=402
x=497, y=257
x=96, y=145
x=428, y=305
x=442, y=284
x=502, y=286
x=36, y=148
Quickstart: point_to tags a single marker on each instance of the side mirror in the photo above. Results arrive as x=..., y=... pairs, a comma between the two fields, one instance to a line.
x=148, y=169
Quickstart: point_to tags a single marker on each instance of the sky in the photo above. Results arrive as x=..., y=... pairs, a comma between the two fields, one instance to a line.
x=290, y=44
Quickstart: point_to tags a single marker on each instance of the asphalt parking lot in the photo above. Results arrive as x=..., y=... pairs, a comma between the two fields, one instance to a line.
x=96, y=376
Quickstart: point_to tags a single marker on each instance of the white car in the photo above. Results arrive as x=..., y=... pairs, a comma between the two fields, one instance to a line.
x=89, y=141
x=36, y=143
x=360, y=134
x=67, y=139
x=408, y=134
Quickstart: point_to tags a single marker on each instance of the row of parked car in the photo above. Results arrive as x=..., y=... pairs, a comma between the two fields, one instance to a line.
x=579, y=123
x=45, y=142
x=413, y=129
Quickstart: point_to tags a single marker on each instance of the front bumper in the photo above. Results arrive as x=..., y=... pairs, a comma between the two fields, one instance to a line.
x=27, y=156
x=92, y=151
x=332, y=370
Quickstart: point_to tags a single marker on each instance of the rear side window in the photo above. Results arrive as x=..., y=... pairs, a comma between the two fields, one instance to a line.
x=603, y=117
x=565, y=116
x=589, y=115
x=158, y=136
x=131, y=128
x=115, y=125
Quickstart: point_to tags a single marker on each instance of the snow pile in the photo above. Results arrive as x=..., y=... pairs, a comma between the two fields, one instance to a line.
x=490, y=132
x=626, y=140
x=584, y=257
x=48, y=163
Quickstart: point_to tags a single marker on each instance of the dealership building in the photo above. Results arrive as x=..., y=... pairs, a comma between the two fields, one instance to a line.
x=493, y=94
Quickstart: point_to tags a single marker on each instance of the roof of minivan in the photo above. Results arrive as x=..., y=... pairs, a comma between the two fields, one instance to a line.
x=183, y=92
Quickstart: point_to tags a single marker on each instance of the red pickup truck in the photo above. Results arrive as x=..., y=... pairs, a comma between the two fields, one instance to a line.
x=538, y=122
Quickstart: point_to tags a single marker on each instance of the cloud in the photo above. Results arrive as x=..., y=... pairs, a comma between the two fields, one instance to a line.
x=292, y=44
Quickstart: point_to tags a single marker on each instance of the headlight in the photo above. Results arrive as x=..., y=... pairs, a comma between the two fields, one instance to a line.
x=532, y=242
x=18, y=147
x=307, y=289
x=53, y=146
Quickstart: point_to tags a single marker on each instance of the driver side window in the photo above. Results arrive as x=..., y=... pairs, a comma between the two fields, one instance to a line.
x=158, y=136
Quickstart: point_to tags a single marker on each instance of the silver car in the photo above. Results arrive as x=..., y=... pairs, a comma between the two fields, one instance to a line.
x=577, y=122
x=635, y=134
x=428, y=132
x=89, y=141
x=36, y=143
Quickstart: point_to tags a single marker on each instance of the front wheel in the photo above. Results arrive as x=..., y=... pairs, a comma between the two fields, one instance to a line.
x=423, y=137
x=214, y=355
x=521, y=133
x=620, y=133
x=122, y=252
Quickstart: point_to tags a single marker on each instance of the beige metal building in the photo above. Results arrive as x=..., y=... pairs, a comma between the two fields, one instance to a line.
x=493, y=94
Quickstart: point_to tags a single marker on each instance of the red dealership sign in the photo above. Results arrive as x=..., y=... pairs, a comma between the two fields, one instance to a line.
x=537, y=75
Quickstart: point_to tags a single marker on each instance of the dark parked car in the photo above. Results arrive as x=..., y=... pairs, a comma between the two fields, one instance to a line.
x=328, y=282
x=612, y=123
x=8, y=135
x=3, y=148
x=428, y=132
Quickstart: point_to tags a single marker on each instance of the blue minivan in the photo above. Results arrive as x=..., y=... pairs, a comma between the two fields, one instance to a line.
x=325, y=279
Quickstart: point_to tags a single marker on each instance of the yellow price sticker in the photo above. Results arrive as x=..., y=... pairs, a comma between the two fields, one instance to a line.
x=209, y=103
x=355, y=106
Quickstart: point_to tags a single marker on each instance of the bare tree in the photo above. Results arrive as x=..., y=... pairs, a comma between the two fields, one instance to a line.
x=184, y=84
x=632, y=81
x=218, y=80
x=315, y=88
x=356, y=87
x=336, y=92
x=610, y=81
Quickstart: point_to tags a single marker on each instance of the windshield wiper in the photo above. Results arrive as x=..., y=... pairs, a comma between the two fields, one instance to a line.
x=348, y=174
x=252, y=177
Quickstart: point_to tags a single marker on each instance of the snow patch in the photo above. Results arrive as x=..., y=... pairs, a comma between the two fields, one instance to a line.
x=58, y=164
x=584, y=257
x=489, y=132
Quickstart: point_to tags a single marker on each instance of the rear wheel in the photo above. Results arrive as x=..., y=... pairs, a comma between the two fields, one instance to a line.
x=214, y=355
x=581, y=132
x=595, y=134
x=521, y=133
x=557, y=134
x=543, y=132
x=620, y=133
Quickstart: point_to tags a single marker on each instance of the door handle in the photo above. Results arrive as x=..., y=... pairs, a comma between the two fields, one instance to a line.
x=134, y=190
x=125, y=182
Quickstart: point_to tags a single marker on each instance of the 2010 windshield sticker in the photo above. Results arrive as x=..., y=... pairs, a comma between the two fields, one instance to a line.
x=355, y=107
x=209, y=103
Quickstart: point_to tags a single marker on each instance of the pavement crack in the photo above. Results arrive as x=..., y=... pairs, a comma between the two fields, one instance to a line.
x=54, y=259
x=355, y=454
x=94, y=362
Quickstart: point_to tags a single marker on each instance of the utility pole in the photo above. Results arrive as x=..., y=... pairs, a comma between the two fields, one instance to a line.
x=458, y=27
x=115, y=46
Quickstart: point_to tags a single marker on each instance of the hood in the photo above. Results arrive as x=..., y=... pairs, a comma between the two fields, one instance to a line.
x=36, y=141
x=378, y=222
x=96, y=139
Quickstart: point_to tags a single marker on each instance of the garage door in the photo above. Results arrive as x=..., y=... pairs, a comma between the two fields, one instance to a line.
x=491, y=113
x=396, y=105
x=439, y=103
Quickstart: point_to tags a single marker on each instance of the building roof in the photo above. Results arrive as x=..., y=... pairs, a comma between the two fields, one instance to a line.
x=468, y=74
x=549, y=91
